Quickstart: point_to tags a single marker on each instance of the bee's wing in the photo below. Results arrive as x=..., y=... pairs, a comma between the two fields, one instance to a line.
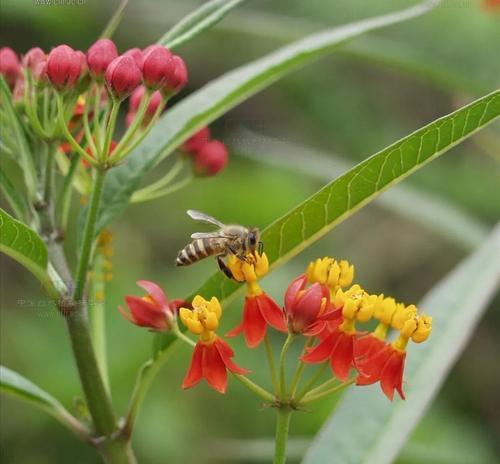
x=199, y=216
x=217, y=234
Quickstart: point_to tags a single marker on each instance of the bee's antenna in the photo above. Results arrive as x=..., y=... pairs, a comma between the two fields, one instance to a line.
x=261, y=247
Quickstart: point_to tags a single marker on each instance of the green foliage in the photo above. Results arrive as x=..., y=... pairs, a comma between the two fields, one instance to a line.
x=25, y=246
x=222, y=94
x=198, y=21
x=12, y=383
x=365, y=427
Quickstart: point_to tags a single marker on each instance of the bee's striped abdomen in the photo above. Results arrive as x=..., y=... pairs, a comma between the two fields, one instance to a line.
x=197, y=250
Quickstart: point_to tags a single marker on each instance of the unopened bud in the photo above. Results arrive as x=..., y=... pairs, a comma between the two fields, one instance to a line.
x=10, y=67
x=122, y=76
x=157, y=66
x=63, y=67
x=210, y=159
x=100, y=55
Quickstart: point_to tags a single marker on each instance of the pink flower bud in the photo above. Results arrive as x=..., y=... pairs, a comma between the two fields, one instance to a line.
x=178, y=78
x=99, y=55
x=137, y=55
x=123, y=76
x=63, y=67
x=194, y=143
x=157, y=66
x=210, y=158
x=10, y=67
x=135, y=101
x=36, y=61
x=33, y=57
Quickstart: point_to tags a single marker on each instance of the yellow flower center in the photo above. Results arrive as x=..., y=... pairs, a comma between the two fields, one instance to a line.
x=328, y=271
x=249, y=270
x=203, y=319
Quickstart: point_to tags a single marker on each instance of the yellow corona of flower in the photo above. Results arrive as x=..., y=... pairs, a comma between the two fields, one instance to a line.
x=203, y=319
x=249, y=270
x=328, y=271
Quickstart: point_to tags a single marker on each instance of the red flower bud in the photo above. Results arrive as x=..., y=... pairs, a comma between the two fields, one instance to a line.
x=210, y=159
x=308, y=309
x=63, y=67
x=178, y=78
x=33, y=57
x=135, y=101
x=99, y=55
x=123, y=76
x=157, y=66
x=137, y=55
x=10, y=67
x=194, y=143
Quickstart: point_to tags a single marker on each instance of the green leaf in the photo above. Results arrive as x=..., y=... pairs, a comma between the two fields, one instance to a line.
x=14, y=384
x=19, y=137
x=425, y=209
x=222, y=94
x=365, y=427
x=15, y=199
x=342, y=197
x=25, y=246
x=114, y=21
x=195, y=23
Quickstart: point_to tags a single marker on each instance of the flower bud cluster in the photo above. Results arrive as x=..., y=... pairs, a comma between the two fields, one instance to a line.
x=209, y=156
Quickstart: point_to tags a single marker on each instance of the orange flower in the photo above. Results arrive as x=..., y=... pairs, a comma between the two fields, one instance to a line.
x=259, y=310
x=211, y=356
x=210, y=361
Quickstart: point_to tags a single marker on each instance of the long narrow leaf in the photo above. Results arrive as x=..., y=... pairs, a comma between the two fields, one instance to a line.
x=14, y=384
x=427, y=210
x=198, y=21
x=25, y=246
x=342, y=197
x=225, y=93
x=365, y=427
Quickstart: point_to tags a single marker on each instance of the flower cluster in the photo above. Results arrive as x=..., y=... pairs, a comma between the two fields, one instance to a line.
x=209, y=156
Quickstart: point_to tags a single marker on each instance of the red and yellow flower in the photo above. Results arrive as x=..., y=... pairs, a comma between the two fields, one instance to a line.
x=377, y=361
x=337, y=345
x=152, y=310
x=211, y=356
x=259, y=309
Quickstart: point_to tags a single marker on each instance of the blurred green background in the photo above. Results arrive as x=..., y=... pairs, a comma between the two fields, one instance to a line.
x=345, y=108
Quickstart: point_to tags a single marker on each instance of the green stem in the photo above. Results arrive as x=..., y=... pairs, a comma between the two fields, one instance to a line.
x=282, y=427
x=313, y=397
x=323, y=386
x=272, y=365
x=117, y=452
x=284, y=350
x=136, y=198
x=166, y=179
x=64, y=202
x=300, y=368
x=74, y=144
x=97, y=318
x=122, y=148
x=89, y=137
x=310, y=383
x=88, y=235
x=256, y=389
x=110, y=129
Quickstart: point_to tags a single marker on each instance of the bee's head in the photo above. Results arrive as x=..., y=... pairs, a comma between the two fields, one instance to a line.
x=252, y=240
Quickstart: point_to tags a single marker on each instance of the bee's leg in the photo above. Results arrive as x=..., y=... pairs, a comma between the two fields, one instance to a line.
x=239, y=256
x=224, y=268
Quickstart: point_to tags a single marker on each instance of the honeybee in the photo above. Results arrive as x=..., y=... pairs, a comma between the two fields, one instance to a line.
x=232, y=238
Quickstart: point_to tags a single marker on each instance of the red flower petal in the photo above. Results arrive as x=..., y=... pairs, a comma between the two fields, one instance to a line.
x=391, y=377
x=213, y=368
x=366, y=346
x=155, y=292
x=372, y=366
x=292, y=290
x=146, y=314
x=254, y=325
x=322, y=351
x=342, y=355
x=226, y=354
x=271, y=312
x=194, y=373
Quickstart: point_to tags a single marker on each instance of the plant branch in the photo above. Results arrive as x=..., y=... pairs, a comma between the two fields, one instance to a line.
x=284, y=350
x=282, y=426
